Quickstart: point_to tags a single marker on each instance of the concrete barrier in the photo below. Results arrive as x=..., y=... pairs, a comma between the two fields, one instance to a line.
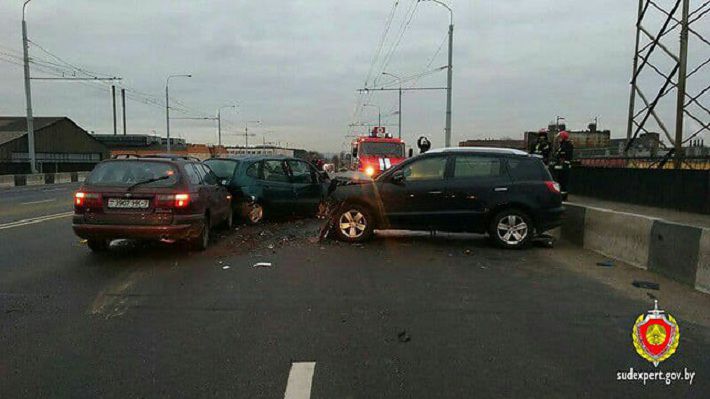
x=81, y=176
x=34, y=180
x=680, y=252
x=62, y=177
x=618, y=235
x=702, y=276
x=674, y=251
x=7, y=181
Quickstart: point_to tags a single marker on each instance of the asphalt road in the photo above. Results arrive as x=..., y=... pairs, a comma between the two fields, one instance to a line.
x=404, y=316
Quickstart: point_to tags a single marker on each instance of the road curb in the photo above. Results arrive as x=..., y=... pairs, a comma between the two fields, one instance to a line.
x=9, y=181
x=677, y=251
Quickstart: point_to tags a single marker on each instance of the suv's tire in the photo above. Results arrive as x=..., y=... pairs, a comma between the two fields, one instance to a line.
x=353, y=223
x=96, y=245
x=202, y=241
x=253, y=213
x=511, y=229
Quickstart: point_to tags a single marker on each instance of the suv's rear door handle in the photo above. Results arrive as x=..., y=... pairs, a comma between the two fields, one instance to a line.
x=500, y=189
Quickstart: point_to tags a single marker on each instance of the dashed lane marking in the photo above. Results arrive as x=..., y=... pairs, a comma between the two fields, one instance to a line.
x=299, y=380
x=39, y=202
x=40, y=219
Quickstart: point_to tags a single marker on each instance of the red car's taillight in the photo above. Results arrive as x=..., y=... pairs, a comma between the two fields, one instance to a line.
x=553, y=186
x=86, y=200
x=179, y=201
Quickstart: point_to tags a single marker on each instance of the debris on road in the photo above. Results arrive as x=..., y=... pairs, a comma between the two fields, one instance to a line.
x=651, y=295
x=606, y=263
x=403, y=336
x=225, y=267
x=467, y=252
x=262, y=264
x=646, y=284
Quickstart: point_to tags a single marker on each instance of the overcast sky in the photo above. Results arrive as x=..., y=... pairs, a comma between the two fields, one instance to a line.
x=296, y=65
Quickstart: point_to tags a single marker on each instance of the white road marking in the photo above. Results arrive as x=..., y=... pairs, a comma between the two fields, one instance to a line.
x=38, y=202
x=299, y=380
x=40, y=219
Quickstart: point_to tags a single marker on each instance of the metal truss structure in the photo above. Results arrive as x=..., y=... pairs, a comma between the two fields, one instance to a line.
x=660, y=70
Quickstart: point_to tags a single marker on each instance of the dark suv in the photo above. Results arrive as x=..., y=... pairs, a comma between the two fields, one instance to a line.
x=507, y=193
x=168, y=198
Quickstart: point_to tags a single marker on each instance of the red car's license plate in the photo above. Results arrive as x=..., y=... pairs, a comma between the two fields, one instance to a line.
x=128, y=203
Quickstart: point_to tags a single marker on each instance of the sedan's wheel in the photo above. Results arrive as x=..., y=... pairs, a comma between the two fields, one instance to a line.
x=229, y=223
x=98, y=245
x=254, y=213
x=511, y=229
x=353, y=224
x=201, y=242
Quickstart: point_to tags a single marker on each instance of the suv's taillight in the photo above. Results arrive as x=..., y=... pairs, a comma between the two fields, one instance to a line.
x=553, y=186
x=83, y=200
x=170, y=201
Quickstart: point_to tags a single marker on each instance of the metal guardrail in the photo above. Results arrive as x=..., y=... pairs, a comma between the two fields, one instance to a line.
x=689, y=163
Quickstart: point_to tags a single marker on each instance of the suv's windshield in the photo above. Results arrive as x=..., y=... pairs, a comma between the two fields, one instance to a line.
x=128, y=173
x=223, y=168
x=382, y=149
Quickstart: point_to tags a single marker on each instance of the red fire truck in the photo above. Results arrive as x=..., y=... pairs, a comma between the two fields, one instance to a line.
x=377, y=152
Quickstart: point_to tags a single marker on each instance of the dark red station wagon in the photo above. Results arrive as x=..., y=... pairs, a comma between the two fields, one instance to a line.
x=156, y=198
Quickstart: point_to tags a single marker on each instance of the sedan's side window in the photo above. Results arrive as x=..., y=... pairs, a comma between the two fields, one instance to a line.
x=192, y=174
x=274, y=171
x=209, y=176
x=300, y=172
x=477, y=166
x=425, y=169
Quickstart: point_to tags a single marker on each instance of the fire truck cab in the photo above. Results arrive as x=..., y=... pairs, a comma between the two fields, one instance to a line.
x=377, y=152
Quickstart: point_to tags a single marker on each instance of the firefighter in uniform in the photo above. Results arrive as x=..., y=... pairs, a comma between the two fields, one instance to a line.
x=564, y=155
x=542, y=146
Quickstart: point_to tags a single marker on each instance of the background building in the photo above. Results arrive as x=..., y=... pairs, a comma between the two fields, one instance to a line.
x=60, y=146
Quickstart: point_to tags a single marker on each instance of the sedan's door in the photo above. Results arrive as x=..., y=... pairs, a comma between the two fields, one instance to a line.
x=478, y=183
x=278, y=194
x=219, y=194
x=306, y=186
x=417, y=200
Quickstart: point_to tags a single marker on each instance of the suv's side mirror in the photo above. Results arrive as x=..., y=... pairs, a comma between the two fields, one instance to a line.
x=398, y=177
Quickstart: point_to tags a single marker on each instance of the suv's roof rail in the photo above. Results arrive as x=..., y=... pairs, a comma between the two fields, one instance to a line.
x=490, y=150
x=125, y=156
x=173, y=157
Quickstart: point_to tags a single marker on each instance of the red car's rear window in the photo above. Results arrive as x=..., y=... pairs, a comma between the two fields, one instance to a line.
x=126, y=173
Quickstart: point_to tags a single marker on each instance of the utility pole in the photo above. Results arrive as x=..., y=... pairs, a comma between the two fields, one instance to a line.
x=219, y=122
x=449, y=74
x=399, y=109
x=123, y=108
x=246, y=132
x=379, y=112
x=167, y=106
x=28, y=94
x=113, y=101
x=449, y=78
x=682, y=75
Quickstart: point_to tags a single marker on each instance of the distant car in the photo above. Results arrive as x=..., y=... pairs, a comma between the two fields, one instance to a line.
x=168, y=198
x=507, y=193
x=263, y=184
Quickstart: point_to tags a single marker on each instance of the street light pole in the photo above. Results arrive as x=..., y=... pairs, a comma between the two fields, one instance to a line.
x=399, y=132
x=449, y=74
x=28, y=94
x=219, y=122
x=167, y=106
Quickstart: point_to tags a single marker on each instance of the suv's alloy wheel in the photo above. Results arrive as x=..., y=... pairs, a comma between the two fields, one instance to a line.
x=353, y=224
x=255, y=213
x=511, y=229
